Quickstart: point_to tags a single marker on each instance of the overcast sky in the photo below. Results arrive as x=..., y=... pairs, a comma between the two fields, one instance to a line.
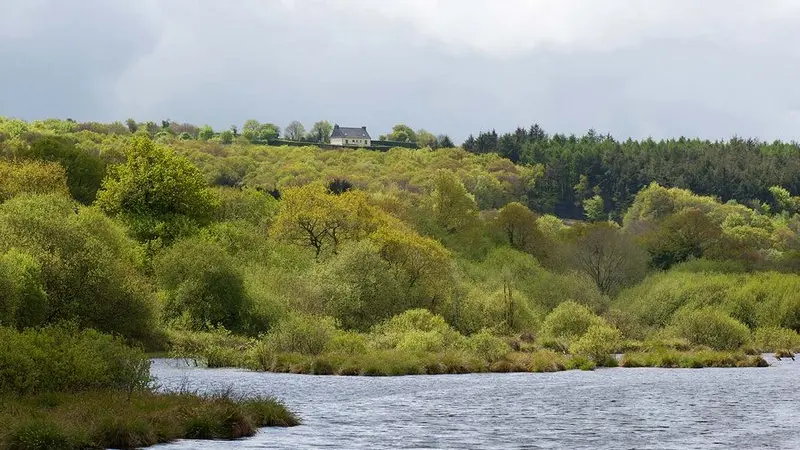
x=661, y=68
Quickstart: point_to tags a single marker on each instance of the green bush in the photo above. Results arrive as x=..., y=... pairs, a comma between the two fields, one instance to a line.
x=710, y=327
x=488, y=346
x=417, y=330
x=772, y=339
x=23, y=301
x=217, y=347
x=597, y=343
x=84, y=262
x=203, y=284
x=347, y=343
x=307, y=335
x=568, y=322
x=63, y=358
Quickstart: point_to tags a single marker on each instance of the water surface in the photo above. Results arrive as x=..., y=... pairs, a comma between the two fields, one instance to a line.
x=608, y=408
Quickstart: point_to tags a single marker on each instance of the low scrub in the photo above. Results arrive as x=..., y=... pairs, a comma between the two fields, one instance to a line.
x=772, y=339
x=215, y=348
x=65, y=359
x=710, y=327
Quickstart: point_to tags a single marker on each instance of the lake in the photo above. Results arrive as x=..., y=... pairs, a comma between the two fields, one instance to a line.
x=606, y=408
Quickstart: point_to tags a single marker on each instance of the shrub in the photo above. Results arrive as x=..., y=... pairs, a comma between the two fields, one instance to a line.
x=63, y=358
x=217, y=347
x=202, y=281
x=489, y=347
x=710, y=327
x=597, y=343
x=771, y=339
x=546, y=361
x=347, y=343
x=416, y=329
x=31, y=177
x=568, y=322
x=307, y=335
x=89, y=268
x=23, y=302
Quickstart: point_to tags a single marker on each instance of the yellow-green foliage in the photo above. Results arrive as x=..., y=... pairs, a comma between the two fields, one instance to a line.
x=597, y=343
x=216, y=347
x=23, y=301
x=568, y=322
x=710, y=327
x=33, y=177
x=493, y=181
x=89, y=267
x=772, y=339
x=488, y=346
x=300, y=333
x=757, y=300
x=66, y=359
x=417, y=330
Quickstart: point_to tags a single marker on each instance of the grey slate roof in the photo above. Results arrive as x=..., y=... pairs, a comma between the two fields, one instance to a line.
x=346, y=132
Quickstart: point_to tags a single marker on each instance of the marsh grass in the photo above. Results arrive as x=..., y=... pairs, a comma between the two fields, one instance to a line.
x=668, y=358
x=110, y=420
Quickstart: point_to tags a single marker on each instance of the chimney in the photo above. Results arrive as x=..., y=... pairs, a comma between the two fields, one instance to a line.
x=364, y=128
x=336, y=126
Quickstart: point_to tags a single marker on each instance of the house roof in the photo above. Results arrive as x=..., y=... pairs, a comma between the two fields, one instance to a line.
x=347, y=132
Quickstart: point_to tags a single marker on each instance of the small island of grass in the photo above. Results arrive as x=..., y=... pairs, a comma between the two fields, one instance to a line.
x=63, y=388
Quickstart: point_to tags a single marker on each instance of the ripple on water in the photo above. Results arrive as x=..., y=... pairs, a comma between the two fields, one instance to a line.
x=610, y=408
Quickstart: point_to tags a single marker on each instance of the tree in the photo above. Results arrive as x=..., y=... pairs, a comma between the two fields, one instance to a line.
x=295, y=131
x=132, y=125
x=611, y=258
x=423, y=264
x=357, y=287
x=226, y=137
x=85, y=171
x=156, y=191
x=681, y=236
x=594, y=209
x=402, y=133
x=784, y=200
x=203, y=286
x=454, y=207
x=206, y=133
x=320, y=132
x=518, y=223
x=314, y=217
x=426, y=139
x=444, y=141
x=254, y=131
x=83, y=261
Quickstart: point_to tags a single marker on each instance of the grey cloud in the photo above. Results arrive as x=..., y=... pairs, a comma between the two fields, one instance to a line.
x=709, y=69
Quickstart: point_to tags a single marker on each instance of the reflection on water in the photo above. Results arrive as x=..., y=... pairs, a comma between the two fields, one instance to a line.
x=609, y=408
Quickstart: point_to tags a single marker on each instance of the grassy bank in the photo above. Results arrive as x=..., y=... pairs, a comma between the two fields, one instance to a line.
x=112, y=420
x=418, y=343
x=691, y=359
x=66, y=388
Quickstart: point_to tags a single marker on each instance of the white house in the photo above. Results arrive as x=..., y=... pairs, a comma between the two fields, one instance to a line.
x=350, y=136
